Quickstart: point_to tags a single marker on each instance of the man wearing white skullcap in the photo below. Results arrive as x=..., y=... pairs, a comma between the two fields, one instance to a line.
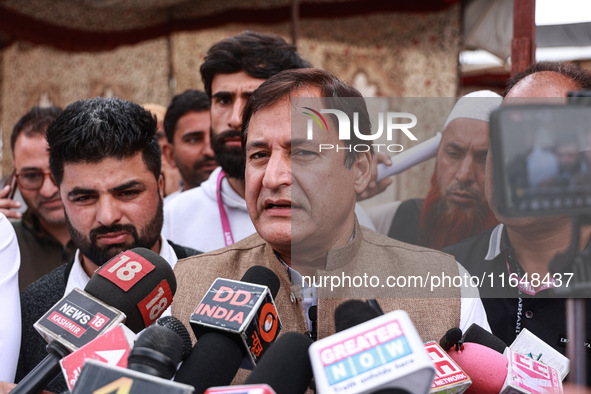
x=455, y=207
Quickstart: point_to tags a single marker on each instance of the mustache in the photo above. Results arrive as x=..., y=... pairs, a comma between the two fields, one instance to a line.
x=201, y=162
x=94, y=233
x=230, y=133
x=458, y=187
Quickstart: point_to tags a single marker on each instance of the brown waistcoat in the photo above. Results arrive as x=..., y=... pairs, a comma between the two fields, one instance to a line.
x=368, y=253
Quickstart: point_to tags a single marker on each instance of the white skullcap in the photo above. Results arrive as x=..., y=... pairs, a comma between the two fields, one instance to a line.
x=478, y=109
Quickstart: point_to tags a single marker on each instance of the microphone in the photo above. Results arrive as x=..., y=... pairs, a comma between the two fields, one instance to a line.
x=477, y=334
x=177, y=326
x=98, y=377
x=235, y=322
x=284, y=369
x=530, y=376
x=449, y=377
x=286, y=366
x=155, y=356
x=530, y=345
x=157, y=352
x=112, y=347
x=242, y=389
x=136, y=283
x=493, y=372
x=451, y=338
x=486, y=367
x=384, y=353
x=352, y=313
x=410, y=157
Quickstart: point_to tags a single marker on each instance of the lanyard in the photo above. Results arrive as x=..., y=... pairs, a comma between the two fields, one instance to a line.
x=509, y=258
x=228, y=239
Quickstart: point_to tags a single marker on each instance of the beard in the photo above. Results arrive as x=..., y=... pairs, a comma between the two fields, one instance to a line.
x=442, y=224
x=230, y=158
x=100, y=255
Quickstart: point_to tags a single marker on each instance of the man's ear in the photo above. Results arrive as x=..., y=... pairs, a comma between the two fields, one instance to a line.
x=161, y=185
x=362, y=171
x=168, y=154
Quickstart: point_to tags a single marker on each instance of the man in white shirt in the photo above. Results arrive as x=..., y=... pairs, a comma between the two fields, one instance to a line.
x=106, y=161
x=10, y=330
x=214, y=215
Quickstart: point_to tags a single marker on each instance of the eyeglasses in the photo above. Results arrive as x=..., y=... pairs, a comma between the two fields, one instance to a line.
x=32, y=179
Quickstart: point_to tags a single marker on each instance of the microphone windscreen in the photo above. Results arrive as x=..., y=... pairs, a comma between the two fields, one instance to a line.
x=158, y=350
x=130, y=282
x=260, y=275
x=175, y=325
x=351, y=313
x=451, y=338
x=477, y=334
x=216, y=370
x=285, y=366
x=486, y=367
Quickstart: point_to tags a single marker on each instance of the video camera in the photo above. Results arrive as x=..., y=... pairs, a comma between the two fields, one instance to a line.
x=542, y=157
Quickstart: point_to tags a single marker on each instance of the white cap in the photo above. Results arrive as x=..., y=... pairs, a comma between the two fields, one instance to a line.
x=478, y=109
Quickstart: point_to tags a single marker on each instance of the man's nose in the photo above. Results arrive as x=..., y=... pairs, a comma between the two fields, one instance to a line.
x=235, y=120
x=466, y=172
x=48, y=187
x=108, y=211
x=278, y=171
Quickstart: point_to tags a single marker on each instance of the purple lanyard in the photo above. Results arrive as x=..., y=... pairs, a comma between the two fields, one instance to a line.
x=228, y=239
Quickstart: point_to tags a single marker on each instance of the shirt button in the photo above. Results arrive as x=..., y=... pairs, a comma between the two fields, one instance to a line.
x=529, y=314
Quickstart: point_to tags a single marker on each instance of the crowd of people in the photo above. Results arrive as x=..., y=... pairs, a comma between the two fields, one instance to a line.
x=255, y=190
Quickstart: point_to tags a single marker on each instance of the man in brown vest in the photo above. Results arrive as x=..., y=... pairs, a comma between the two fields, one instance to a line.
x=301, y=201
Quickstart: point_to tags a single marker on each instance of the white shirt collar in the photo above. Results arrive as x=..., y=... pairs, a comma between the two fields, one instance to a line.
x=78, y=277
x=494, y=243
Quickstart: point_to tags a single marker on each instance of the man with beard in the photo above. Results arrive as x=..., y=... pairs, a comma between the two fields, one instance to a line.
x=523, y=247
x=42, y=234
x=455, y=207
x=301, y=202
x=214, y=215
x=187, y=124
x=105, y=159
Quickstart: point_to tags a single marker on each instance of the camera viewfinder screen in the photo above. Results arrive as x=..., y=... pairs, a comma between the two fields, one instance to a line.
x=542, y=159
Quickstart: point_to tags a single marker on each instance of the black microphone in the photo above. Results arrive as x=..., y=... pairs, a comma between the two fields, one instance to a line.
x=452, y=337
x=351, y=313
x=98, y=377
x=286, y=366
x=156, y=352
x=477, y=334
x=233, y=320
x=136, y=283
x=150, y=364
x=177, y=326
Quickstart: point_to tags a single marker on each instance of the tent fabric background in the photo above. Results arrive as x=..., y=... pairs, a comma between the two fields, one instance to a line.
x=384, y=54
